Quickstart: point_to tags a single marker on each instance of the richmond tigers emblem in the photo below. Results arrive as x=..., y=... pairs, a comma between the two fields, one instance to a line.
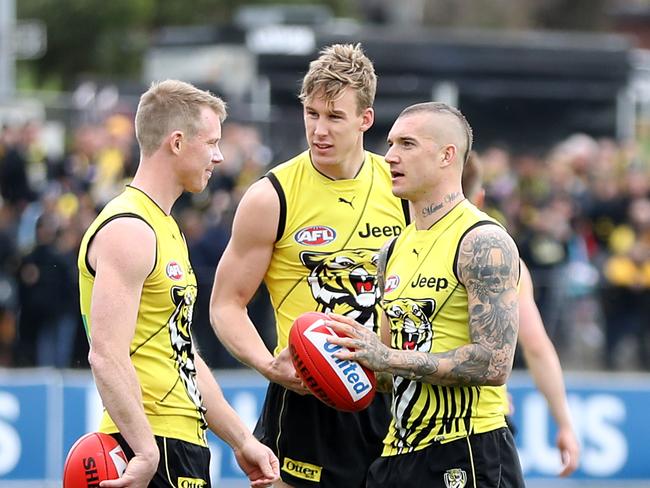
x=180, y=325
x=344, y=282
x=455, y=478
x=412, y=318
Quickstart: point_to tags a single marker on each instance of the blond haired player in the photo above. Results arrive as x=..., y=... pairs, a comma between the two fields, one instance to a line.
x=137, y=291
x=311, y=229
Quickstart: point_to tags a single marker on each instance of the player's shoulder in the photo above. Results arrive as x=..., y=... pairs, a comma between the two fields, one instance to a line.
x=293, y=164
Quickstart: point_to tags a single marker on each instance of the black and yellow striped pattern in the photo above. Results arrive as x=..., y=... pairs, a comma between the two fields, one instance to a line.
x=427, y=309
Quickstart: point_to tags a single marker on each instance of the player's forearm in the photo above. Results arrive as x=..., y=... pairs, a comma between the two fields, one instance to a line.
x=118, y=386
x=470, y=365
x=220, y=416
x=544, y=366
x=238, y=334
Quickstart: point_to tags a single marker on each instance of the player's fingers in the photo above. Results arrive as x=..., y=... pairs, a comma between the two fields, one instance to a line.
x=344, y=329
x=568, y=463
x=343, y=318
x=118, y=483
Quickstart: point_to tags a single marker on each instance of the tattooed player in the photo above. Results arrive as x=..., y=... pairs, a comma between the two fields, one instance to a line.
x=451, y=318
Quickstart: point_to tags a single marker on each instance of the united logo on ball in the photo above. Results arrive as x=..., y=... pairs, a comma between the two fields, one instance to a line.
x=341, y=384
x=93, y=458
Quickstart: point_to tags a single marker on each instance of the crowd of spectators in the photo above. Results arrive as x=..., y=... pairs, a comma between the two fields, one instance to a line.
x=580, y=213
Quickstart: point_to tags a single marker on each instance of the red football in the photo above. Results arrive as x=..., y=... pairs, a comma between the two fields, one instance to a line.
x=344, y=385
x=93, y=458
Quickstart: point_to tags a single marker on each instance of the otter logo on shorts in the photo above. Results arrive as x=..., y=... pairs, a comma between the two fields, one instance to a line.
x=301, y=470
x=191, y=483
x=455, y=478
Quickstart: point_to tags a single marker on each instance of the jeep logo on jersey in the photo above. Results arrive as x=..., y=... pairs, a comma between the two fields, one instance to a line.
x=174, y=270
x=392, y=282
x=316, y=235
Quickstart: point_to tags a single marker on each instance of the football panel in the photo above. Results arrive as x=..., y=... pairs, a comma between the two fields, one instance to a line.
x=85, y=459
x=326, y=378
x=310, y=373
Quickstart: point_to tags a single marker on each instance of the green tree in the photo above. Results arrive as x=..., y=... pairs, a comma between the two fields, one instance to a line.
x=107, y=38
x=87, y=36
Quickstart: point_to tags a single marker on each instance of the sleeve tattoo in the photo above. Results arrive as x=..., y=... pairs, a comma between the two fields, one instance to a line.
x=488, y=266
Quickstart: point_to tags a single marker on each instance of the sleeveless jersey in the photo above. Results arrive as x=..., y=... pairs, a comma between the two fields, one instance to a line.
x=329, y=234
x=162, y=350
x=427, y=310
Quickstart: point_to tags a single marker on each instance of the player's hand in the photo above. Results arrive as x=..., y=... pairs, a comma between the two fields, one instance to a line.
x=569, y=450
x=283, y=373
x=138, y=473
x=258, y=463
x=365, y=346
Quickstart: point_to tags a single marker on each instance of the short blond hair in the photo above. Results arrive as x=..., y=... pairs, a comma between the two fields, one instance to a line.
x=168, y=106
x=340, y=66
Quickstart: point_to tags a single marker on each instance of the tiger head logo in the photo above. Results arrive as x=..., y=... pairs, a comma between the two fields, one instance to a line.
x=345, y=282
x=180, y=331
x=412, y=317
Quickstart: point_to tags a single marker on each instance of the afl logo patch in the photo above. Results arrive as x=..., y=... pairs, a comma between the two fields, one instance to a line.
x=317, y=235
x=174, y=270
x=392, y=282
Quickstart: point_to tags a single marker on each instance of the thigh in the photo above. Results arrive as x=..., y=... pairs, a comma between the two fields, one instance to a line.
x=182, y=464
x=436, y=466
x=496, y=461
x=479, y=461
x=318, y=445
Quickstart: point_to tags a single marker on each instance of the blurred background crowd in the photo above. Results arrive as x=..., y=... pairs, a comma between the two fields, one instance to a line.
x=571, y=184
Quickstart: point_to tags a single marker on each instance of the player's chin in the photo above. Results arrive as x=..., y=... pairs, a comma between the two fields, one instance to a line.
x=198, y=187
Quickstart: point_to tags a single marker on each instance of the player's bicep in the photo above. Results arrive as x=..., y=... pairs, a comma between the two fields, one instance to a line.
x=120, y=271
x=248, y=254
x=488, y=266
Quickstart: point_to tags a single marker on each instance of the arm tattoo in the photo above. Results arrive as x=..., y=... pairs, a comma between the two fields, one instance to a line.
x=489, y=267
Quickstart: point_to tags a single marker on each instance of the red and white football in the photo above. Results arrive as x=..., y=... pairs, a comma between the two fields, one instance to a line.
x=93, y=458
x=341, y=384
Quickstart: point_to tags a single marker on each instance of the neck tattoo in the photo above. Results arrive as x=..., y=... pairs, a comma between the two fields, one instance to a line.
x=434, y=207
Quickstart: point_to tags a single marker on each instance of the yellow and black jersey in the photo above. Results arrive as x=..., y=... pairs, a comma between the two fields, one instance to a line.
x=426, y=306
x=329, y=234
x=162, y=351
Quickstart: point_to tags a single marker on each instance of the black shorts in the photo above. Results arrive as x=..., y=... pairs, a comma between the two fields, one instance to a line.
x=318, y=445
x=488, y=460
x=182, y=464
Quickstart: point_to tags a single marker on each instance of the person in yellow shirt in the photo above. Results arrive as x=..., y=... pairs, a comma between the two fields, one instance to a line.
x=312, y=229
x=137, y=291
x=452, y=316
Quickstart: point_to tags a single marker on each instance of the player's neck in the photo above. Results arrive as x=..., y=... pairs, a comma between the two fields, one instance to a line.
x=158, y=185
x=431, y=208
x=346, y=169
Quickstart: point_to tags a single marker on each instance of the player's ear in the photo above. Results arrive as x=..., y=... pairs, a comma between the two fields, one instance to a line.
x=176, y=141
x=448, y=154
x=368, y=118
